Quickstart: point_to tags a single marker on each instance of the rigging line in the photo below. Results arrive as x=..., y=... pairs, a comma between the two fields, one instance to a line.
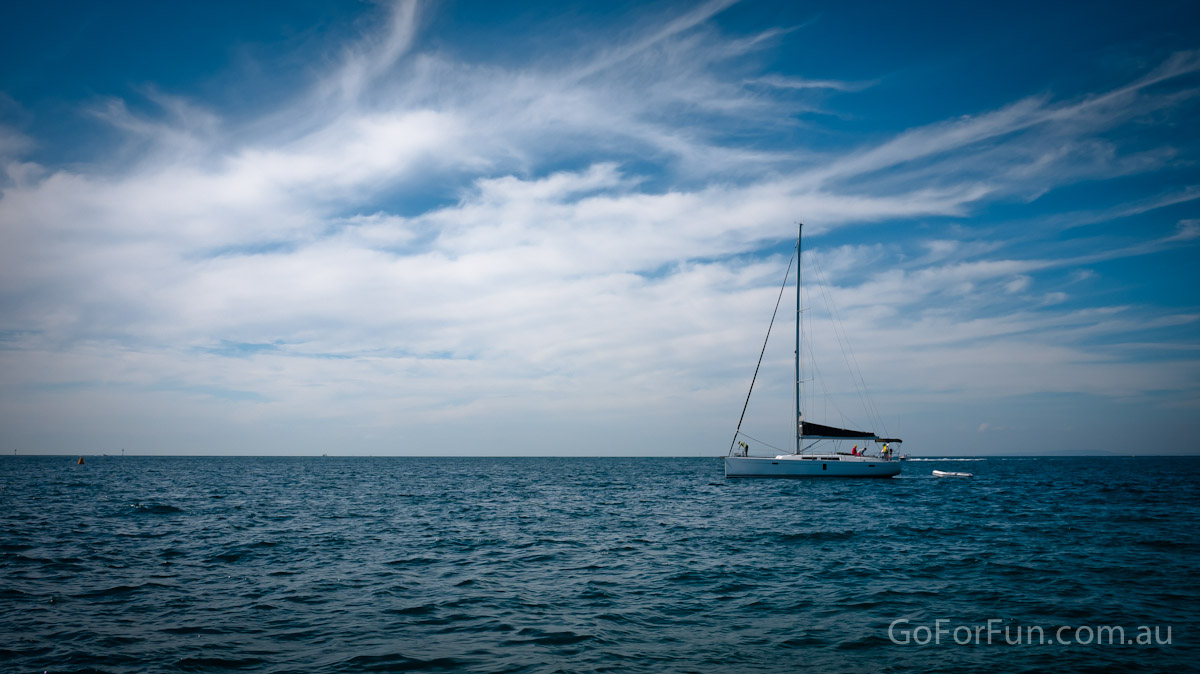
x=871, y=406
x=844, y=341
x=765, y=444
x=834, y=319
x=792, y=415
x=764, y=350
x=828, y=399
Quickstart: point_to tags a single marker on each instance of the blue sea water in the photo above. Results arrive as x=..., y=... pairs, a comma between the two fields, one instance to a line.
x=249, y=564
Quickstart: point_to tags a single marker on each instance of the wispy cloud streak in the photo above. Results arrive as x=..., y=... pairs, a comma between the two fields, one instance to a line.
x=422, y=239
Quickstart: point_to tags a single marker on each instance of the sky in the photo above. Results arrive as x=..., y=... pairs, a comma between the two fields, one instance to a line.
x=476, y=228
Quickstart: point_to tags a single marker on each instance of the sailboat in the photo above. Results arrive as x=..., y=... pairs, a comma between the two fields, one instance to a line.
x=806, y=461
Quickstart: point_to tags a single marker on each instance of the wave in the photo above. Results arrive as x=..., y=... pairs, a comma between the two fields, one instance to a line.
x=209, y=664
x=551, y=637
x=154, y=509
x=815, y=536
x=622, y=565
x=118, y=590
x=392, y=662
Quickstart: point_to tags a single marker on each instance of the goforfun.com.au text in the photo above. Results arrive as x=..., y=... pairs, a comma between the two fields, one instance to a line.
x=902, y=632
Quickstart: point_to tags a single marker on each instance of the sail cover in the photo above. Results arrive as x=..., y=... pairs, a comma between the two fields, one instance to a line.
x=817, y=431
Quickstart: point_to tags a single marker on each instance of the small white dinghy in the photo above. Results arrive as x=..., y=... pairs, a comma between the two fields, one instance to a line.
x=950, y=473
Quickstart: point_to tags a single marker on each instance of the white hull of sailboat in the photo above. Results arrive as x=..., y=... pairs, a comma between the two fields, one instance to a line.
x=790, y=465
x=828, y=464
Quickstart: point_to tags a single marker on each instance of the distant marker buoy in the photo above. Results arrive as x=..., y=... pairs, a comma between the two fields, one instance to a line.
x=79, y=462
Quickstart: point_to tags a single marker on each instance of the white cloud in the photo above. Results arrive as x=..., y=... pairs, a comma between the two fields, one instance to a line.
x=277, y=281
x=781, y=82
x=13, y=144
x=1054, y=298
x=1186, y=230
x=1019, y=283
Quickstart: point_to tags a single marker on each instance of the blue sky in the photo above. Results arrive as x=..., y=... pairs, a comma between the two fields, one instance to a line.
x=463, y=228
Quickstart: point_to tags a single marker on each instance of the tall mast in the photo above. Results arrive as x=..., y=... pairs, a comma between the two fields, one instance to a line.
x=799, y=278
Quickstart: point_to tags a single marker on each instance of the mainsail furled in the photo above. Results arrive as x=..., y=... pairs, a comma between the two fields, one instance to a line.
x=820, y=431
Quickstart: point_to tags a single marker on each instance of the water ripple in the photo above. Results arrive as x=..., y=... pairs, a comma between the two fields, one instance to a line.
x=547, y=565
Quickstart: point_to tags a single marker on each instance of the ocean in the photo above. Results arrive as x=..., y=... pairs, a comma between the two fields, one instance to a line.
x=256, y=564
